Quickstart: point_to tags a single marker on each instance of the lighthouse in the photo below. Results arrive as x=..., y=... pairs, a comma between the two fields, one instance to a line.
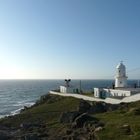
x=121, y=89
x=121, y=78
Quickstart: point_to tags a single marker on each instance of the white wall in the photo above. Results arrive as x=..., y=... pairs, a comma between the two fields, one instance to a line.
x=121, y=78
x=115, y=92
x=96, y=92
x=132, y=98
x=63, y=89
x=121, y=82
x=110, y=92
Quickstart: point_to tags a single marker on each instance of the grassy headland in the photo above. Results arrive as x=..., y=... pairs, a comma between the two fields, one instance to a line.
x=55, y=117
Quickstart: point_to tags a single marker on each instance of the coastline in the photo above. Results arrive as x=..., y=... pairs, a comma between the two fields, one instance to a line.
x=59, y=117
x=17, y=111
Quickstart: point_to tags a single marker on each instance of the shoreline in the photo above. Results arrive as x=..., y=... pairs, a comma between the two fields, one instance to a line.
x=58, y=117
x=18, y=111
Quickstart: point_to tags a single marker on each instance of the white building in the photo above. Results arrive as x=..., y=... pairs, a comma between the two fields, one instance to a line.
x=104, y=92
x=121, y=78
x=65, y=89
x=68, y=88
x=120, y=89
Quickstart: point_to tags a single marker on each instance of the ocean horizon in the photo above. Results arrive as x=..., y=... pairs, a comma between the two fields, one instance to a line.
x=15, y=94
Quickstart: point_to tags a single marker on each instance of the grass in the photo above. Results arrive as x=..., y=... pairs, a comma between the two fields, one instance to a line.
x=49, y=113
x=116, y=119
x=45, y=112
x=88, y=94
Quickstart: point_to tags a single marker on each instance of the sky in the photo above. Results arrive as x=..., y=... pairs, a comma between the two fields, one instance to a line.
x=77, y=39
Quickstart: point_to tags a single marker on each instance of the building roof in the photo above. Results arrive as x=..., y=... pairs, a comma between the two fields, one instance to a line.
x=132, y=90
x=120, y=65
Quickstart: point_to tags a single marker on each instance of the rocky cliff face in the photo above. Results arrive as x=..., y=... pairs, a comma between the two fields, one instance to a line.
x=60, y=118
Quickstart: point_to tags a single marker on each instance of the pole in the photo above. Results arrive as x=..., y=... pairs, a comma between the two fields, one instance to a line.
x=138, y=83
x=80, y=86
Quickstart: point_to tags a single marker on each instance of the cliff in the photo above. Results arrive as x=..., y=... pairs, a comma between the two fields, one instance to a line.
x=55, y=117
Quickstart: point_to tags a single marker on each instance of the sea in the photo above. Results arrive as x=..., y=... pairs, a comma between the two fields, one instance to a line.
x=16, y=94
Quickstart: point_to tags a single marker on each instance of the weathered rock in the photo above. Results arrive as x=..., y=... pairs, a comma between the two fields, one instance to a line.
x=80, y=134
x=91, y=136
x=48, y=99
x=111, y=107
x=126, y=129
x=99, y=124
x=4, y=135
x=137, y=111
x=80, y=120
x=84, y=106
x=81, y=138
x=68, y=117
x=123, y=106
x=98, y=107
x=68, y=132
x=98, y=129
x=31, y=137
x=91, y=126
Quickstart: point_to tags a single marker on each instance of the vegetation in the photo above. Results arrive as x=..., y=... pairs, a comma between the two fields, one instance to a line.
x=47, y=110
x=90, y=94
x=43, y=119
x=117, y=120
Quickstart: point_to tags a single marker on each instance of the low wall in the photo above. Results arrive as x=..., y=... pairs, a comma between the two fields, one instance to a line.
x=132, y=98
x=84, y=97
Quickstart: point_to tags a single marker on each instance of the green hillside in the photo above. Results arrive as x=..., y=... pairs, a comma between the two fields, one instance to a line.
x=56, y=117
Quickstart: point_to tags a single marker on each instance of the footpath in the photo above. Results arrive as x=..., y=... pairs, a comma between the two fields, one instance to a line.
x=132, y=98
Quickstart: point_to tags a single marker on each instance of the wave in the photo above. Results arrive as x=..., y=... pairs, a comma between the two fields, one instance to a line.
x=17, y=111
x=28, y=104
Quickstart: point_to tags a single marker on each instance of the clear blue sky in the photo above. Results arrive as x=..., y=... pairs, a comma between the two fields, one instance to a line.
x=78, y=39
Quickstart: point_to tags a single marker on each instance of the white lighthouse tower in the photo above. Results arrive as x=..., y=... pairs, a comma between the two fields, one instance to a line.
x=121, y=78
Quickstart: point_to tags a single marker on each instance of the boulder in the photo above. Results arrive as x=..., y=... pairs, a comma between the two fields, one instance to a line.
x=81, y=119
x=93, y=126
x=31, y=137
x=126, y=129
x=68, y=132
x=98, y=129
x=111, y=107
x=4, y=135
x=68, y=117
x=84, y=106
x=123, y=106
x=30, y=125
x=98, y=107
x=137, y=111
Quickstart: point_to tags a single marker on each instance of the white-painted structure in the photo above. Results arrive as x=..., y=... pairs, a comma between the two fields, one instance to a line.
x=65, y=89
x=129, y=99
x=68, y=88
x=121, y=78
x=120, y=89
x=104, y=92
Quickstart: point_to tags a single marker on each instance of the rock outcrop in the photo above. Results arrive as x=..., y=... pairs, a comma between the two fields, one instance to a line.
x=68, y=117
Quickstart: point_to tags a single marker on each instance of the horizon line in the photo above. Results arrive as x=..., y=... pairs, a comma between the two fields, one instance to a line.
x=65, y=78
